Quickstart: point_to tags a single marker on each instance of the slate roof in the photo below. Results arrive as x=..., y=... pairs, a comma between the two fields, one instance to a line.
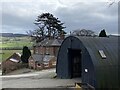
x=41, y=58
x=47, y=42
x=47, y=58
x=37, y=57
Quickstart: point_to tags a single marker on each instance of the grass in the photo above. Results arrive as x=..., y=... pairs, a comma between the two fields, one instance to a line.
x=7, y=53
x=15, y=42
x=12, y=43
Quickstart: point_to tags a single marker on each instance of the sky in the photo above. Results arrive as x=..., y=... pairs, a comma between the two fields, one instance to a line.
x=18, y=16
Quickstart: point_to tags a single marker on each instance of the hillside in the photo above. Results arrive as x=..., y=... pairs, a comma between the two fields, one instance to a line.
x=12, y=35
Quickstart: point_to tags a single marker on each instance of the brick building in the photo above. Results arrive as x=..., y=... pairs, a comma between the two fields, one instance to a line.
x=44, y=54
x=47, y=47
x=35, y=61
x=39, y=62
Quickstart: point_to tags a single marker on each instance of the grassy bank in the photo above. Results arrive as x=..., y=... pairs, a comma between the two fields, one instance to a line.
x=7, y=53
x=10, y=45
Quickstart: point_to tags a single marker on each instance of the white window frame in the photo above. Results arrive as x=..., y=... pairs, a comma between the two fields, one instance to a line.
x=102, y=54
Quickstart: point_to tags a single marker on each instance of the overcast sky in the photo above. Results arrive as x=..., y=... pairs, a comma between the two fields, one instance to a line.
x=18, y=16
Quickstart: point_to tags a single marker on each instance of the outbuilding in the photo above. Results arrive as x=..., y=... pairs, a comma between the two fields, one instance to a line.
x=93, y=59
x=39, y=62
x=11, y=64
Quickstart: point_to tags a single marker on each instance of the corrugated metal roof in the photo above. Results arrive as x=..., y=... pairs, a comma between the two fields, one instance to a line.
x=102, y=71
x=106, y=70
x=108, y=44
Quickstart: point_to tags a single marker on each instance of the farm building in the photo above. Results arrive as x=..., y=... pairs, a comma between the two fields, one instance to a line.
x=11, y=63
x=44, y=54
x=35, y=61
x=47, y=47
x=49, y=61
x=40, y=62
x=93, y=59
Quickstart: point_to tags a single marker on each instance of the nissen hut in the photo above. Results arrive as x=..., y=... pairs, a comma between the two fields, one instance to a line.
x=93, y=59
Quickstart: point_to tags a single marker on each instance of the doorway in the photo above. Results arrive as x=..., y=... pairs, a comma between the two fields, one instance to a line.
x=75, y=62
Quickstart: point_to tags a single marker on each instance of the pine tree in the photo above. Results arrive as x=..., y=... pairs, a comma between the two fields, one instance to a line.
x=48, y=27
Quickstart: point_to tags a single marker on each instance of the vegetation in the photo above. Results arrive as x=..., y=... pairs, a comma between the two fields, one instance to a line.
x=7, y=53
x=83, y=32
x=15, y=42
x=48, y=27
x=25, y=54
x=10, y=45
x=102, y=33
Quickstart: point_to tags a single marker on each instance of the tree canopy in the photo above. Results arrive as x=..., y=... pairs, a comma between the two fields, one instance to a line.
x=25, y=54
x=102, y=33
x=48, y=27
x=83, y=32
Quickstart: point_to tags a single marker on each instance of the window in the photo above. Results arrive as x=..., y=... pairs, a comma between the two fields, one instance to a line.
x=47, y=51
x=102, y=54
x=46, y=64
x=38, y=64
x=54, y=63
x=36, y=51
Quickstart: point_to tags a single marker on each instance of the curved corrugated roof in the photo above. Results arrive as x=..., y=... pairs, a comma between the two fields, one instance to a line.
x=108, y=44
x=105, y=69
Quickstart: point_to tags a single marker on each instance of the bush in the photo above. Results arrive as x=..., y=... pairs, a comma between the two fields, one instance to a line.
x=25, y=54
x=102, y=33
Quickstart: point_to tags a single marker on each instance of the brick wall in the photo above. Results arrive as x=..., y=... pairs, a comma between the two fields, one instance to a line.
x=32, y=63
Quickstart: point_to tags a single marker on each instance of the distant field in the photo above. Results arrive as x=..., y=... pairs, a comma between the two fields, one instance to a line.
x=7, y=53
x=15, y=42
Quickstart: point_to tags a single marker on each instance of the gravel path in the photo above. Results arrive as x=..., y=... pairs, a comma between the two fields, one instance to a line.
x=41, y=79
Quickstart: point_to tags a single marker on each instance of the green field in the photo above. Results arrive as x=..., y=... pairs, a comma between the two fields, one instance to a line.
x=10, y=45
x=7, y=53
x=15, y=42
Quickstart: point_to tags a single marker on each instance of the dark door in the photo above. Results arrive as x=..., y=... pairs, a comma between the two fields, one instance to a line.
x=75, y=61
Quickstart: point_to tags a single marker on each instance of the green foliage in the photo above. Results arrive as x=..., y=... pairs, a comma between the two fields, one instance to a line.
x=15, y=42
x=48, y=26
x=10, y=45
x=26, y=53
x=102, y=33
x=7, y=53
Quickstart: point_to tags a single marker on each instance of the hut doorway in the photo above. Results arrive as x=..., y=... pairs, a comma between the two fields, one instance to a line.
x=74, y=56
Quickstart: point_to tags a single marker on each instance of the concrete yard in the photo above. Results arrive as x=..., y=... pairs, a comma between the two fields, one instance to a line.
x=39, y=79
